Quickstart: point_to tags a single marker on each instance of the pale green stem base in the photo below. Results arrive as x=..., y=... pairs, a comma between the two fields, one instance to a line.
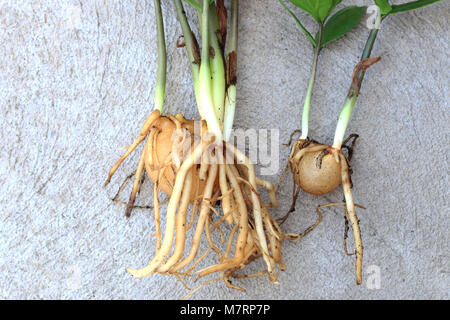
x=309, y=90
x=230, y=106
x=349, y=102
x=160, y=87
x=343, y=120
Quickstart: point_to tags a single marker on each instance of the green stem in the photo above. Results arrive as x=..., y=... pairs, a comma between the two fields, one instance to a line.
x=213, y=22
x=309, y=90
x=191, y=45
x=233, y=33
x=350, y=101
x=369, y=44
x=230, y=99
x=217, y=64
x=160, y=87
x=206, y=105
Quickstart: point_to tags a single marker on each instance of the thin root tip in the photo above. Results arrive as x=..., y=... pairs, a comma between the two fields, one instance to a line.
x=199, y=273
x=134, y=272
x=107, y=182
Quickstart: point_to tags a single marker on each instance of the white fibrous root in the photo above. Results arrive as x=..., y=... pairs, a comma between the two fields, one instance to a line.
x=207, y=175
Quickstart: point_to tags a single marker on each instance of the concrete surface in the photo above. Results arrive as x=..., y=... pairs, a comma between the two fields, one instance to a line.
x=75, y=88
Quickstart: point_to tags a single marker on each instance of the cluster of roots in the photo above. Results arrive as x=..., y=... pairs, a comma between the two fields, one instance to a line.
x=204, y=179
x=319, y=169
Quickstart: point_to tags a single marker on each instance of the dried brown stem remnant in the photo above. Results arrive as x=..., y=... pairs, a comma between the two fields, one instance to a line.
x=358, y=75
x=231, y=65
x=222, y=17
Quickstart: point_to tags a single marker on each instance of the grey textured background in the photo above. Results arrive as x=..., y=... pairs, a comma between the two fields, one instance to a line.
x=73, y=93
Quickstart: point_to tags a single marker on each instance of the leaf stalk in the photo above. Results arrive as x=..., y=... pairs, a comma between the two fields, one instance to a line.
x=309, y=90
x=160, y=87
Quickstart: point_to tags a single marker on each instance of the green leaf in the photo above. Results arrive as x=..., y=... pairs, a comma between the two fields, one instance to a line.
x=384, y=6
x=411, y=6
x=340, y=23
x=302, y=27
x=195, y=4
x=335, y=3
x=318, y=9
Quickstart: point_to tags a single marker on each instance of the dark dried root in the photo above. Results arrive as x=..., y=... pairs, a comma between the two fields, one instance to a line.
x=136, y=186
x=346, y=228
x=350, y=148
x=122, y=186
x=291, y=137
x=295, y=192
x=297, y=237
x=132, y=205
